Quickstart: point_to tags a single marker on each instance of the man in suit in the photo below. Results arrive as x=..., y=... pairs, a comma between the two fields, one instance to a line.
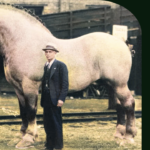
x=54, y=92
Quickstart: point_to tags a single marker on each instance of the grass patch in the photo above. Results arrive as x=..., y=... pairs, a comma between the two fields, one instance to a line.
x=95, y=135
x=9, y=105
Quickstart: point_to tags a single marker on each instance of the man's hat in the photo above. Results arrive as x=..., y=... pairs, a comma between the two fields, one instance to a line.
x=50, y=47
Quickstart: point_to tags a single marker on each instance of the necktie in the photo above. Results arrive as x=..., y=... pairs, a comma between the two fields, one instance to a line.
x=47, y=69
x=48, y=66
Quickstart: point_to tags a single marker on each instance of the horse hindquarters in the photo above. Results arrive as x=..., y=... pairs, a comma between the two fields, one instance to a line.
x=126, y=105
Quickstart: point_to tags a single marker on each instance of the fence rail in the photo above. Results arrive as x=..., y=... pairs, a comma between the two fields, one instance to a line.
x=103, y=116
x=76, y=23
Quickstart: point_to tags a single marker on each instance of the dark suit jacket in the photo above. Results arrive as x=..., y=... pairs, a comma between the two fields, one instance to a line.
x=58, y=82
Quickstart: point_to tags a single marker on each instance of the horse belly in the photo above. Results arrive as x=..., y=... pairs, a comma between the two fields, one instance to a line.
x=79, y=79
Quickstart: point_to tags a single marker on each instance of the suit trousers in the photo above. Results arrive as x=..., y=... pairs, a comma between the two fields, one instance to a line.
x=52, y=123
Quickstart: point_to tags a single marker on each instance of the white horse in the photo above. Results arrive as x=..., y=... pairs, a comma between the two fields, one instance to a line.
x=89, y=58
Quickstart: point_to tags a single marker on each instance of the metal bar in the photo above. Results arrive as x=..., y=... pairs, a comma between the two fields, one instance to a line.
x=71, y=120
x=70, y=114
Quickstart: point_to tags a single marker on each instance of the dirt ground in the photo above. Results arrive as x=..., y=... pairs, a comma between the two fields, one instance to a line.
x=94, y=135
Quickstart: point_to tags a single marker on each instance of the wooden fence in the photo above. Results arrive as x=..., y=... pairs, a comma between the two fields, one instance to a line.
x=76, y=23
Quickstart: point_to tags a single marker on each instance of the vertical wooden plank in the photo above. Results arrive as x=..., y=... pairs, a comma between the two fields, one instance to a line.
x=105, y=19
x=59, y=6
x=120, y=15
x=71, y=24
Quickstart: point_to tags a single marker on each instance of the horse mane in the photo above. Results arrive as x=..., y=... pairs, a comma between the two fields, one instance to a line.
x=26, y=12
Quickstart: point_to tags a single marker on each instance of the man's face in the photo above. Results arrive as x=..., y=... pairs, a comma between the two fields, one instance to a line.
x=50, y=54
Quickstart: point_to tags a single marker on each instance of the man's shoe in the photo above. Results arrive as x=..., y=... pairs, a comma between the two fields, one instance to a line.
x=48, y=148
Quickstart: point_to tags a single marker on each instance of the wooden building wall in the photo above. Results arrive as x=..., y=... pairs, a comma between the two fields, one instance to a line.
x=76, y=23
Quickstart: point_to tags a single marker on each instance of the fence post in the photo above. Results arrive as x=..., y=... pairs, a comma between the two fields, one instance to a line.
x=70, y=24
x=120, y=15
x=105, y=18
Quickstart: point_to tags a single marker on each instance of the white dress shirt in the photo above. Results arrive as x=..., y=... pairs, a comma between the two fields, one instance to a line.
x=50, y=63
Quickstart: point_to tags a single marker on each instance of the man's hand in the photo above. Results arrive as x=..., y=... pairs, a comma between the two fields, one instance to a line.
x=60, y=103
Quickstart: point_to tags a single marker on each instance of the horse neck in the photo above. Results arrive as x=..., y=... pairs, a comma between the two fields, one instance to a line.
x=14, y=29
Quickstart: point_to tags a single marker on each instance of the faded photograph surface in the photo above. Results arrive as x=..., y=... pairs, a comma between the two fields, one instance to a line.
x=70, y=75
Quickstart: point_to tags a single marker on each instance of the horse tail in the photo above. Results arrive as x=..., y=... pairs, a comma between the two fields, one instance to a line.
x=130, y=46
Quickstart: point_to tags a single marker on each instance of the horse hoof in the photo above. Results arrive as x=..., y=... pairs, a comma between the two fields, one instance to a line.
x=122, y=143
x=120, y=131
x=129, y=139
x=118, y=136
x=20, y=135
x=118, y=141
x=126, y=141
x=26, y=142
x=13, y=142
x=24, y=145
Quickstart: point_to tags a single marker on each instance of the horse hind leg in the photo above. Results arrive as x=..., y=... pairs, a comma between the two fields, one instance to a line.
x=127, y=103
x=121, y=121
x=115, y=103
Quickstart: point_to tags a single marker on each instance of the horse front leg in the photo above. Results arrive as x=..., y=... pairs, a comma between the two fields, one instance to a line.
x=23, y=112
x=30, y=92
x=127, y=103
